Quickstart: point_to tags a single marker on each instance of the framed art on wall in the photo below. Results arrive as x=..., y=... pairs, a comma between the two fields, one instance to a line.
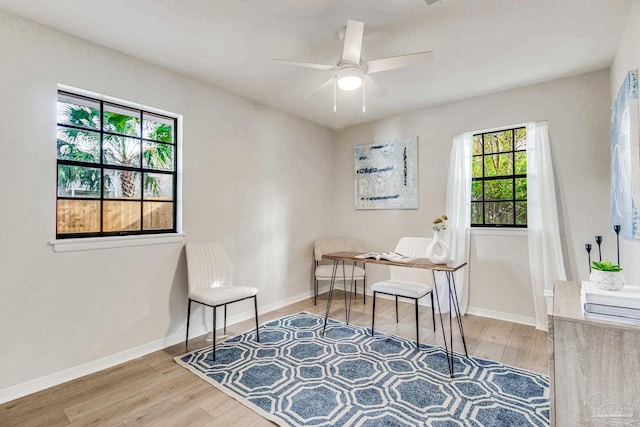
x=625, y=159
x=386, y=175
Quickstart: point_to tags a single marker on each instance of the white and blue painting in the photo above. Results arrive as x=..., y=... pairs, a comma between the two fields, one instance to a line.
x=386, y=175
x=625, y=159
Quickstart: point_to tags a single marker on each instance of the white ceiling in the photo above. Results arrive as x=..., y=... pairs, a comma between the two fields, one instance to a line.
x=480, y=46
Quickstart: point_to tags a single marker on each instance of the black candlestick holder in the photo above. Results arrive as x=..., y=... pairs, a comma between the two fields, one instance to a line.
x=617, y=228
x=587, y=246
x=599, y=242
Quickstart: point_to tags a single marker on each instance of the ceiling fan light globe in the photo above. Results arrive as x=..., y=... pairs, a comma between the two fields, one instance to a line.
x=349, y=82
x=349, y=78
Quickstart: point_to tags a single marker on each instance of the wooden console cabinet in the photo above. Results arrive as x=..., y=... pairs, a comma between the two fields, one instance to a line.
x=594, y=366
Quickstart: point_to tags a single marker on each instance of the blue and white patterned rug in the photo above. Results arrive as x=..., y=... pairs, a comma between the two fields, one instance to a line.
x=297, y=377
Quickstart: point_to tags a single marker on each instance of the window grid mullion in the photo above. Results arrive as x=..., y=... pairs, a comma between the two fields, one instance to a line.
x=484, y=166
x=142, y=173
x=483, y=179
x=102, y=166
x=102, y=189
x=175, y=175
x=513, y=173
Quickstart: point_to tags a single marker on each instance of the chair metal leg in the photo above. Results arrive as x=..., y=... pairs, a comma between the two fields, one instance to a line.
x=396, y=308
x=255, y=306
x=186, y=340
x=417, y=328
x=315, y=291
x=373, y=314
x=364, y=290
x=315, y=283
x=354, y=282
x=225, y=319
x=433, y=312
x=214, y=334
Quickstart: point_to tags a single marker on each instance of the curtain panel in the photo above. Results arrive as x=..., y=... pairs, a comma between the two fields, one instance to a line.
x=546, y=263
x=459, y=212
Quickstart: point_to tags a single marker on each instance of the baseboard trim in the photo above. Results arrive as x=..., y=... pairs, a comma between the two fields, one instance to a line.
x=56, y=378
x=499, y=315
x=33, y=386
x=476, y=311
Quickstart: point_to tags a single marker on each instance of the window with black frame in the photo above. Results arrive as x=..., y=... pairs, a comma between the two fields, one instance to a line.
x=116, y=169
x=499, y=179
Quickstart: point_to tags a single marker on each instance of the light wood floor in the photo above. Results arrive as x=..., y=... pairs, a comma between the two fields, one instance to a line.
x=154, y=390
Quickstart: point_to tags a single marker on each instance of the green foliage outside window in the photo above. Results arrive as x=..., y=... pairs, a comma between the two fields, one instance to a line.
x=84, y=146
x=499, y=180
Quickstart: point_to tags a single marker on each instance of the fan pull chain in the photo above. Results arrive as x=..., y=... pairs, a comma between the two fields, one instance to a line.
x=335, y=108
x=363, y=92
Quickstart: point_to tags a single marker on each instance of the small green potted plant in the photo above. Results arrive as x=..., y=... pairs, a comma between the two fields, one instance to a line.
x=607, y=275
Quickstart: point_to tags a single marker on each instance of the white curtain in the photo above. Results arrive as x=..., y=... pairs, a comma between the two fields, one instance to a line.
x=459, y=212
x=546, y=263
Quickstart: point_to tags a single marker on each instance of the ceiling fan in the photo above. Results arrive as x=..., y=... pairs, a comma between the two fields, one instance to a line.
x=351, y=72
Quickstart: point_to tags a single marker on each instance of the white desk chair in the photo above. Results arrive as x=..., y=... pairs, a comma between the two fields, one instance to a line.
x=210, y=276
x=323, y=272
x=405, y=282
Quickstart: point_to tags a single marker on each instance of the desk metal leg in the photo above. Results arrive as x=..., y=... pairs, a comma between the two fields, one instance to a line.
x=451, y=281
x=351, y=290
x=347, y=298
x=344, y=286
x=451, y=367
x=444, y=333
x=417, y=327
x=333, y=282
x=455, y=306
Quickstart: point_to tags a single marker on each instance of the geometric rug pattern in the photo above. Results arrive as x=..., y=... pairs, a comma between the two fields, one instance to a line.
x=297, y=377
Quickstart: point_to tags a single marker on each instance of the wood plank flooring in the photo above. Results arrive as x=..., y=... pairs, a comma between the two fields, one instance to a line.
x=154, y=391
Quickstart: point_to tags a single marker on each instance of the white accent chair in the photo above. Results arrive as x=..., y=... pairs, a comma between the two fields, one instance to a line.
x=210, y=283
x=323, y=272
x=406, y=282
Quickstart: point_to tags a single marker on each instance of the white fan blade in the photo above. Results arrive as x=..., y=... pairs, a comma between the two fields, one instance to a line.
x=374, y=87
x=322, y=86
x=401, y=61
x=353, y=42
x=307, y=64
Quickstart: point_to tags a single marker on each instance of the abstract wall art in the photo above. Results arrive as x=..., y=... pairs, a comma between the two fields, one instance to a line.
x=386, y=175
x=625, y=159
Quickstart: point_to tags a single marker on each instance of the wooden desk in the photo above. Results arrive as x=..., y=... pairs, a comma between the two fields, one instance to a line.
x=594, y=366
x=423, y=263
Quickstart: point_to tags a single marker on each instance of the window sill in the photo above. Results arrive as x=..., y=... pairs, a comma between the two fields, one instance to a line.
x=90, y=243
x=502, y=232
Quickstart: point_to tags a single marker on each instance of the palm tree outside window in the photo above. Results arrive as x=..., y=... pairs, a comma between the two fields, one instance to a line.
x=116, y=169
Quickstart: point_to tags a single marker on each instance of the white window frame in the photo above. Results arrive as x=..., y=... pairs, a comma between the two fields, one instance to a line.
x=91, y=243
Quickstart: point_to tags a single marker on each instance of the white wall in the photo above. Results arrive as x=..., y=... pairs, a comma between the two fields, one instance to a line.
x=577, y=109
x=253, y=178
x=627, y=58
